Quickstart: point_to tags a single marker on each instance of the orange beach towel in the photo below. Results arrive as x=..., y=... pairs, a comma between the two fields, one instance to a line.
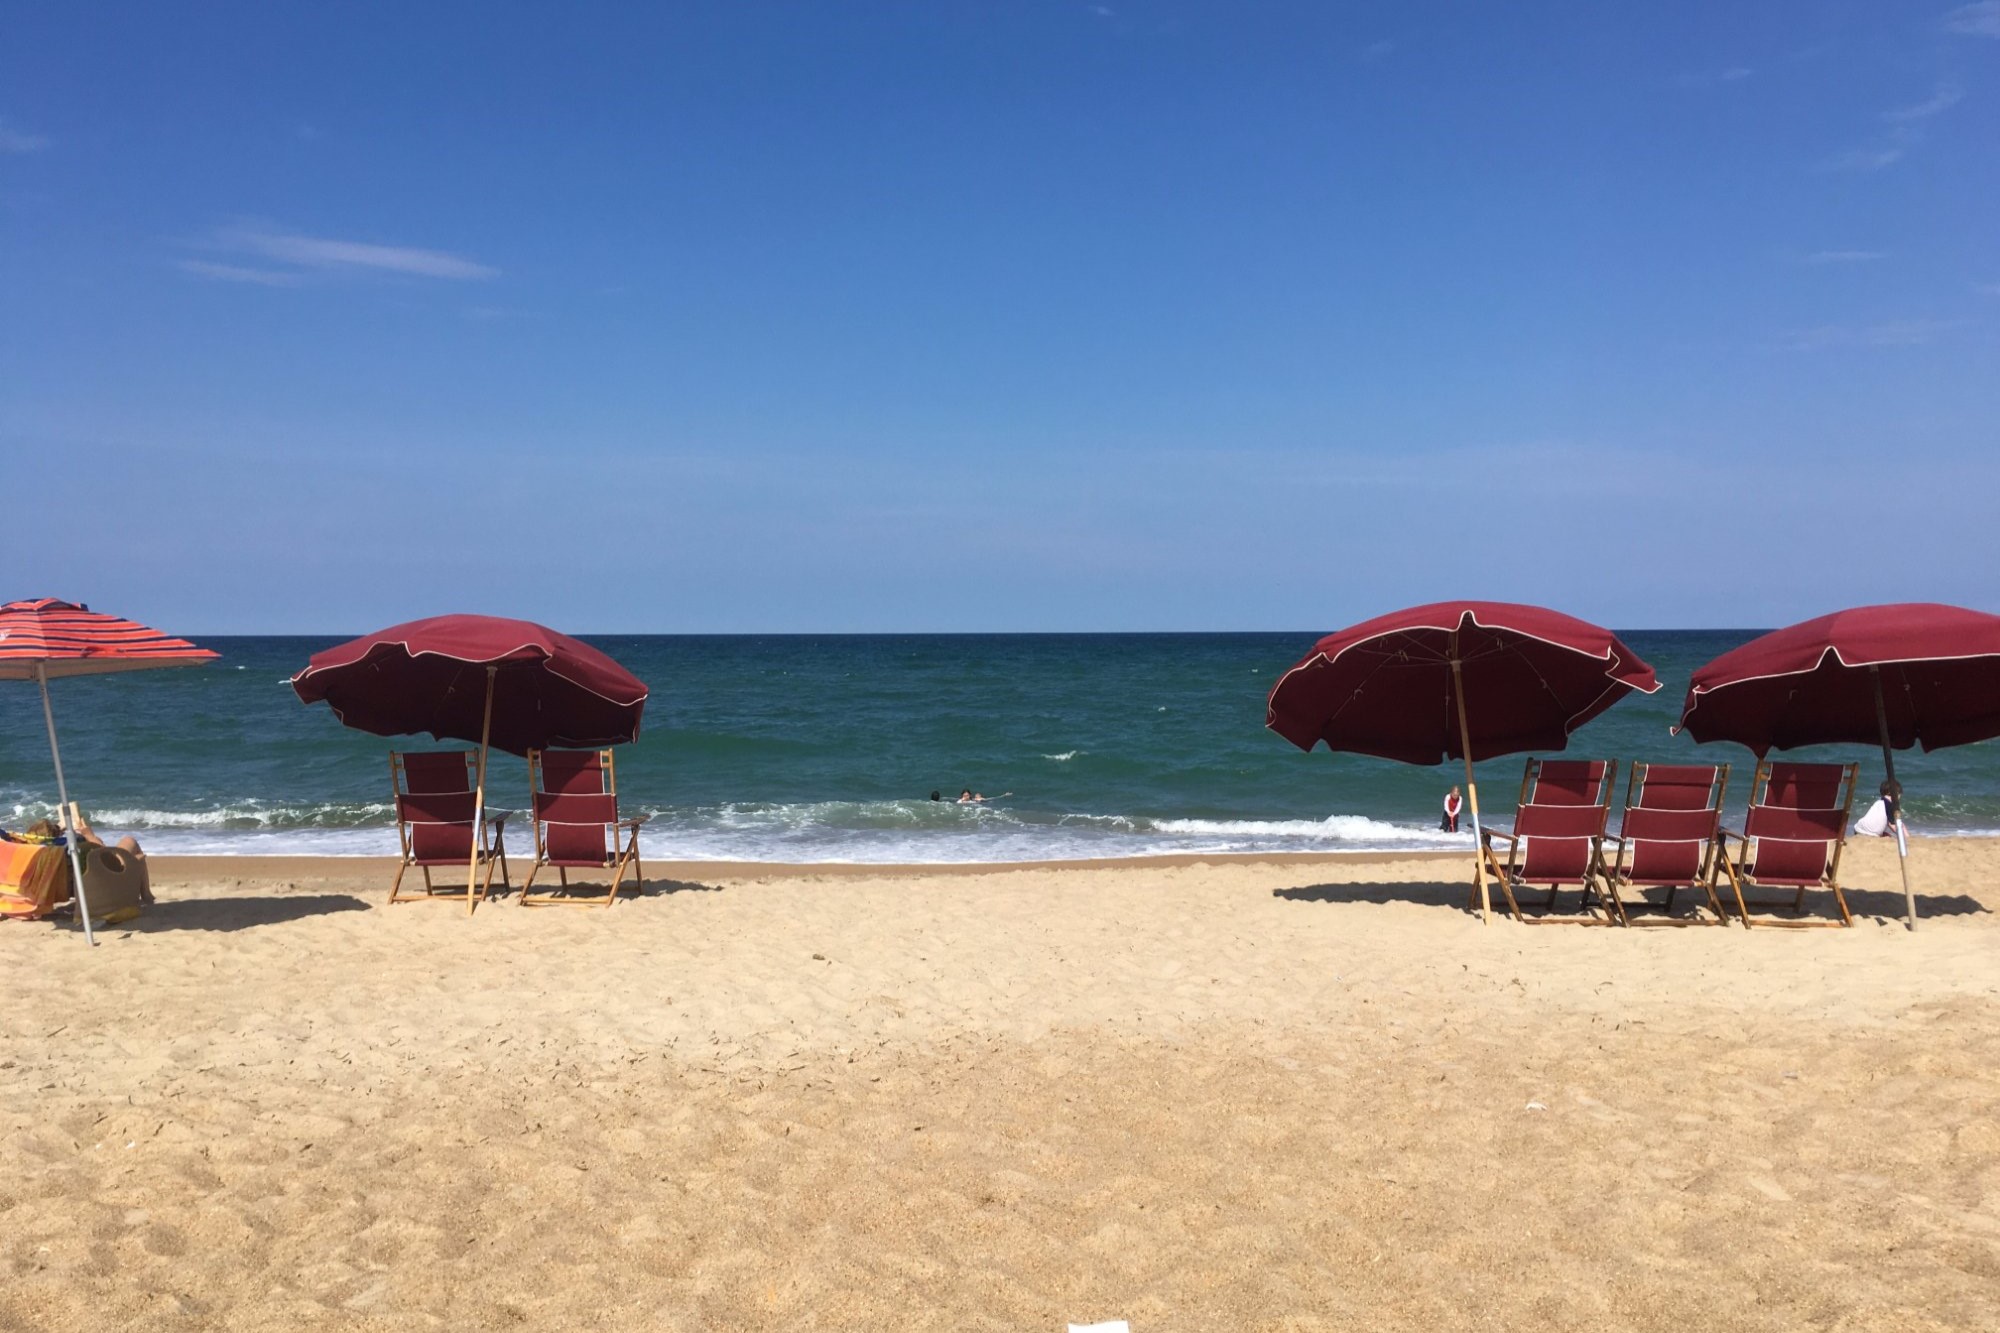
x=34, y=877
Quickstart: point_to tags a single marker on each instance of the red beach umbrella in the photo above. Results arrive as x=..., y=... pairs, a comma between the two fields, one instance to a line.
x=507, y=683
x=44, y=637
x=1910, y=673
x=1455, y=680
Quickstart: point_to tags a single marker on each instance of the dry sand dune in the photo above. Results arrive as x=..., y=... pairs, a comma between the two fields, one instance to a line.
x=1233, y=1095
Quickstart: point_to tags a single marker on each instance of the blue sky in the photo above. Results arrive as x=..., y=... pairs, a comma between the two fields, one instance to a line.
x=947, y=316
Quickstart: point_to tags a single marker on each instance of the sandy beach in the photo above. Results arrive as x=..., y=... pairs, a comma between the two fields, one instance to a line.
x=1253, y=1094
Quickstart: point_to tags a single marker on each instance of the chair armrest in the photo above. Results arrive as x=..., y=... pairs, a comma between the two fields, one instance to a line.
x=1487, y=835
x=499, y=818
x=634, y=821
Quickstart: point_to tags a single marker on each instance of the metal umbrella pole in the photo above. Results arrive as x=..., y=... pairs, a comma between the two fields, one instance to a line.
x=479, y=797
x=1889, y=767
x=1471, y=788
x=62, y=795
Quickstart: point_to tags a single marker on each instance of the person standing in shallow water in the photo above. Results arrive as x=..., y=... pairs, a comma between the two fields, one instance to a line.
x=1452, y=805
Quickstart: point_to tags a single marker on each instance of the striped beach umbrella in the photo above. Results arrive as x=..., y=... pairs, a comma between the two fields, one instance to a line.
x=44, y=637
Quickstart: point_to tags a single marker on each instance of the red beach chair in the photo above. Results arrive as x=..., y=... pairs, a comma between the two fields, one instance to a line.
x=577, y=825
x=1792, y=837
x=1557, y=838
x=1667, y=839
x=434, y=811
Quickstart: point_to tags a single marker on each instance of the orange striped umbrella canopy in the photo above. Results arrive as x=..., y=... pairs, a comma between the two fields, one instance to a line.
x=47, y=637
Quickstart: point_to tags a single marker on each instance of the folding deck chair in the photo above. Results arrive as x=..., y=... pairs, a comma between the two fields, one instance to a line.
x=1667, y=840
x=1792, y=837
x=577, y=825
x=435, y=801
x=1557, y=837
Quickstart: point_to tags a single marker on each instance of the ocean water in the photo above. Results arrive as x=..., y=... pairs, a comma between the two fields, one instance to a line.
x=820, y=749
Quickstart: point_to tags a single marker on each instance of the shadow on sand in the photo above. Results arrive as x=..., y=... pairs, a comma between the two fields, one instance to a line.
x=1434, y=894
x=660, y=888
x=586, y=892
x=1884, y=903
x=240, y=913
x=1879, y=903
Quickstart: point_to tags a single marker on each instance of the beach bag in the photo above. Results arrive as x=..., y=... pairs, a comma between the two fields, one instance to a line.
x=115, y=883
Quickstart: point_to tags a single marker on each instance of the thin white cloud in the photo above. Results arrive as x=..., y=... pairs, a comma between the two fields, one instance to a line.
x=1842, y=257
x=1890, y=333
x=19, y=141
x=1870, y=157
x=1381, y=50
x=264, y=277
x=1975, y=20
x=1945, y=98
x=1705, y=78
x=326, y=254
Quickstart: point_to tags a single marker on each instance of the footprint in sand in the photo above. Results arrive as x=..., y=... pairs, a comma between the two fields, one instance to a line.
x=1768, y=1187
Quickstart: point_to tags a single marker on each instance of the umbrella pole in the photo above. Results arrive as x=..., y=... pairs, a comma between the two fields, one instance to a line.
x=479, y=797
x=62, y=794
x=1889, y=768
x=1471, y=788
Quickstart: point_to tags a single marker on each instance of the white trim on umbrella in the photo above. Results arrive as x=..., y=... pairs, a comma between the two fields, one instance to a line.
x=1570, y=723
x=545, y=660
x=1696, y=693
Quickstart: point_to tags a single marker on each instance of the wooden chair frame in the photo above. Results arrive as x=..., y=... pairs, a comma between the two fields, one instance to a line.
x=492, y=842
x=618, y=831
x=1619, y=871
x=1601, y=907
x=1741, y=869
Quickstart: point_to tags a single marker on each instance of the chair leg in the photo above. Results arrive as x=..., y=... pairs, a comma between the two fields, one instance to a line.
x=1613, y=900
x=528, y=884
x=1728, y=868
x=1840, y=901
x=630, y=856
x=486, y=886
x=397, y=883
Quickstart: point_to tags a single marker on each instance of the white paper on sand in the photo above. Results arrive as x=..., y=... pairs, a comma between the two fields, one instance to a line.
x=1115, y=1326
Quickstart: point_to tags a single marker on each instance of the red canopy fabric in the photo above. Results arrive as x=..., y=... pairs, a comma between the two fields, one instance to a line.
x=1811, y=683
x=430, y=675
x=65, y=639
x=1384, y=687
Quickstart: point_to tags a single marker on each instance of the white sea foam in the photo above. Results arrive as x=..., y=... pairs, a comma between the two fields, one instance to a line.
x=880, y=832
x=1334, y=828
x=1062, y=758
x=867, y=832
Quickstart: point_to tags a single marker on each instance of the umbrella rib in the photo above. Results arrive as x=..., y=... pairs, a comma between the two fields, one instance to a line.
x=1381, y=661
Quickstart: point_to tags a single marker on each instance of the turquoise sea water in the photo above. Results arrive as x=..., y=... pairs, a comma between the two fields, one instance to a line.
x=800, y=748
